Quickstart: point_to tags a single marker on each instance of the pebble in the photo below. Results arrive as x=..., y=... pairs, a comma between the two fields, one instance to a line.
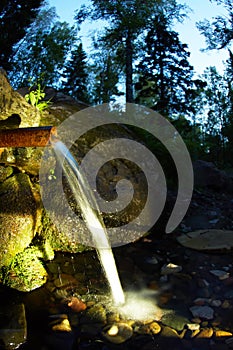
x=152, y=328
x=64, y=326
x=193, y=326
x=168, y=332
x=219, y=333
x=205, y=333
x=216, y=303
x=222, y=275
x=205, y=312
x=201, y=301
x=170, y=269
x=95, y=314
x=118, y=333
x=76, y=304
x=225, y=304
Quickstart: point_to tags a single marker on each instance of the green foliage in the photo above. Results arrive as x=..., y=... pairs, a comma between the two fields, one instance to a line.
x=106, y=73
x=43, y=50
x=16, y=16
x=76, y=75
x=127, y=21
x=219, y=33
x=165, y=75
x=35, y=98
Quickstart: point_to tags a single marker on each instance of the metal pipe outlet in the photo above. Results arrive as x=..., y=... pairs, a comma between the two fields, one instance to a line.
x=27, y=137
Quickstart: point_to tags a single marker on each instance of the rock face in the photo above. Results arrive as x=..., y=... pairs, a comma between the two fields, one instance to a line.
x=12, y=102
x=207, y=175
x=20, y=215
x=27, y=235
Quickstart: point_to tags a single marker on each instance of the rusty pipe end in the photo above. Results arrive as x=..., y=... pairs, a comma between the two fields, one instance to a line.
x=28, y=137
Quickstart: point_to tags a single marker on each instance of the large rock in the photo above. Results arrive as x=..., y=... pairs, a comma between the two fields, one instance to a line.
x=207, y=175
x=20, y=215
x=12, y=102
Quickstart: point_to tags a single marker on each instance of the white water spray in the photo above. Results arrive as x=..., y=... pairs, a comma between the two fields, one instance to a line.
x=86, y=200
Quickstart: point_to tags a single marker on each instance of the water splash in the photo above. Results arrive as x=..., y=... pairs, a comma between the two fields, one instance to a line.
x=86, y=200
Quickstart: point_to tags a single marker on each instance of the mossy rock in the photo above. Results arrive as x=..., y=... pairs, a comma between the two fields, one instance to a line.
x=20, y=215
x=26, y=271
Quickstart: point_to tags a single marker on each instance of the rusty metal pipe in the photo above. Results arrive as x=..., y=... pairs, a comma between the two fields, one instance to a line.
x=27, y=137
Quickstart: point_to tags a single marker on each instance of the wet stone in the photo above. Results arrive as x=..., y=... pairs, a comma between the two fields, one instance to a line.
x=193, y=326
x=175, y=320
x=222, y=275
x=170, y=269
x=205, y=333
x=152, y=328
x=118, y=333
x=96, y=314
x=219, y=333
x=205, y=312
x=76, y=304
x=63, y=326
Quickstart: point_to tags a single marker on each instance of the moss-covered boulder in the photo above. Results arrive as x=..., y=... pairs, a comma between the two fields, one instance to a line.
x=20, y=215
x=26, y=271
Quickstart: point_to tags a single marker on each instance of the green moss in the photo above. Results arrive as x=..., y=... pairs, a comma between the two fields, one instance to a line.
x=26, y=272
x=59, y=241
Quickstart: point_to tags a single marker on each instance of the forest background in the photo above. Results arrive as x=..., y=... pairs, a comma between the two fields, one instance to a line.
x=136, y=55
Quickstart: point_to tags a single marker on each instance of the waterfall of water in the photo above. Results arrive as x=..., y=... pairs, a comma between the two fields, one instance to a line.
x=86, y=200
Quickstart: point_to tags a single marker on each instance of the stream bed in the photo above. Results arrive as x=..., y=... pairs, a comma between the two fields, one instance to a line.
x=191, y=307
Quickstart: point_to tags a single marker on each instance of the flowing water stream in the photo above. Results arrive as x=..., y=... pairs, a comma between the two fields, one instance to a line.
x=85, y=198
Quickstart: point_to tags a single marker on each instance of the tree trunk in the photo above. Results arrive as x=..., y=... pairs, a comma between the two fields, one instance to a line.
x=129, y=68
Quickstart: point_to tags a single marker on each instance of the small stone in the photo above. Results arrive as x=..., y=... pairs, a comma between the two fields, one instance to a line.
x=200, y=301
x=64, y=326
x=76, y=304
x=175, y=321
x=154, y=328
x=193, y=326
x=95, y=314
x=170, y=269
x=222, y=275
x=118, y=333
x=219, y=333
x=225, y=304
x=216, y=303
x=151, y=328
x=205, y=312
x=168, y=332
x=205, y=333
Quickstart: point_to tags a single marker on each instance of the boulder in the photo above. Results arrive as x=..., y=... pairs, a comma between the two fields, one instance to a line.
x=207, y=175
x=11, y=102
x=20, y=215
